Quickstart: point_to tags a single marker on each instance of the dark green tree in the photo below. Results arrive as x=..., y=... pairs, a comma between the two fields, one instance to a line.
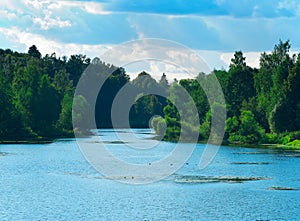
x=270, y=81
x=46, y=108
x=106, y=96
x=65, y=116
x=34, y=52
x=240, y=85
x=249, y=129
x=25, y=88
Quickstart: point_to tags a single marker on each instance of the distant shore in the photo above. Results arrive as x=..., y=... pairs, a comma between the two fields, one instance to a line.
x=47, y=140
x=28, y=141
x=33, y=140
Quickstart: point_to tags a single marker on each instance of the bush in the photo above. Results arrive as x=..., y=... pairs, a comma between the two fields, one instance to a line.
x=284, y=140
x=248, y=139
x=159, y=125
x=270, y=138
x=249, y=131
x=189, y=132
x=295, y=143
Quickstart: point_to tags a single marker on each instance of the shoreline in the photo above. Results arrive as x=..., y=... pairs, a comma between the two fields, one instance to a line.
x=26, y=141
x=265, y=146
x=48, y=140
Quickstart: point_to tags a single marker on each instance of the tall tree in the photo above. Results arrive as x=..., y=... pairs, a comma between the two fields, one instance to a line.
x=240, y=86
x=25, y=88
x=75, y=66
x=270, y=80
x=34, y=52
x=10, y=121
x=46, y=109
x=106, y=96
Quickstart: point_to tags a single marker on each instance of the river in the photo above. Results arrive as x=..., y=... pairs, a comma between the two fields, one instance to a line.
x=55, y=182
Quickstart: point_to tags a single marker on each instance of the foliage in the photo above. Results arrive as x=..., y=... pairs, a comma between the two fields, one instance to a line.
x=270, y=138
x=65, y=117
x=159, y=125
x=271, y=82
x=263, y=105
x=248, y=131
x=240, y=88
x=295, y=143
x=151, y=99
x=36, y=93
x=232, y=126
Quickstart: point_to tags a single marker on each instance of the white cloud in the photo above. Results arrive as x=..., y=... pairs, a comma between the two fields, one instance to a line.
x=48, y=22
x=95, y=8
x=22, y=40
x=89, y=7
x=7, y=14
x=36, y=4
x=12, y=5
x=48, y=13
x=156, y=69
x=252, y=58
x=292, y=6
x=172, y=71
x=135, y=59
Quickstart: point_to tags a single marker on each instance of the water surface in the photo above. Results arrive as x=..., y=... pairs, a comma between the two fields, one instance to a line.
x=54, y=182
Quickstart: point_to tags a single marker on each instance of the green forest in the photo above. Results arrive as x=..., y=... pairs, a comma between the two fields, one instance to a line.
x=262, y=104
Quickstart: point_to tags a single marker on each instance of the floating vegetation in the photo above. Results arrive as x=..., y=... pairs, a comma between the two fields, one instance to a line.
x=251, y=163
x=290, y=155
x=109, y=142
x=224, y=179
x=278, y=152
x=2, y=154
x=178, y=179
x=5, y=154
x=282, y=188
x=114, y=142
x=250, y=153
x=75, y=174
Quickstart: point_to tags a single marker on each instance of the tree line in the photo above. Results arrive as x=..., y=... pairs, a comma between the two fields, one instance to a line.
x=263, y=104
x=37, y=94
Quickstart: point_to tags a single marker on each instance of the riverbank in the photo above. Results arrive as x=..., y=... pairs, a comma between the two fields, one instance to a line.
x=257, y=145
x=27, y=141
x=277, y=146
x=264, y=146
x=47, y=140
x=35, y=140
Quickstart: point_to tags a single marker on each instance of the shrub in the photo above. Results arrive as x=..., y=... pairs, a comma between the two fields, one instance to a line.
x=270, y=138
x=284, y=140
x=295, y=143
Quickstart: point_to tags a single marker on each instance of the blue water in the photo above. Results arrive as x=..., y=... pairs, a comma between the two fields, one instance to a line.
x=54, y=182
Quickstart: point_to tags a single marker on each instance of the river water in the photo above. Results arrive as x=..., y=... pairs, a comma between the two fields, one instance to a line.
x=55, y=182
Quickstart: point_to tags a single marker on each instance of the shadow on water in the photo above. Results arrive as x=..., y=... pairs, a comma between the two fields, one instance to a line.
x=282, y=188
x=281, y=153
x=217, y=179
x=3, y=154
x=250, y=163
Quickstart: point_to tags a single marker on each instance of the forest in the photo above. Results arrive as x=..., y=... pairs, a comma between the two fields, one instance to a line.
x=262, y=104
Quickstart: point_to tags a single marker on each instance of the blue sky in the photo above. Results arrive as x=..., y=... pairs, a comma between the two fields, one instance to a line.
x=213, y=28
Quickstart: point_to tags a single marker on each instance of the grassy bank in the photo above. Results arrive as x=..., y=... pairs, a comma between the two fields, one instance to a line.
x=33, y=139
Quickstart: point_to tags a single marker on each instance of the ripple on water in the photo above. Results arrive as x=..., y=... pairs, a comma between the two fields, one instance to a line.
x=55, y=182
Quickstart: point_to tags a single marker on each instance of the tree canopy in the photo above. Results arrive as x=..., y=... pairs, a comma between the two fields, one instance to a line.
x=37, y=93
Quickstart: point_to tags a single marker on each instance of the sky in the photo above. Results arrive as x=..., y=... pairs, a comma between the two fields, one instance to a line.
x=215, y=29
